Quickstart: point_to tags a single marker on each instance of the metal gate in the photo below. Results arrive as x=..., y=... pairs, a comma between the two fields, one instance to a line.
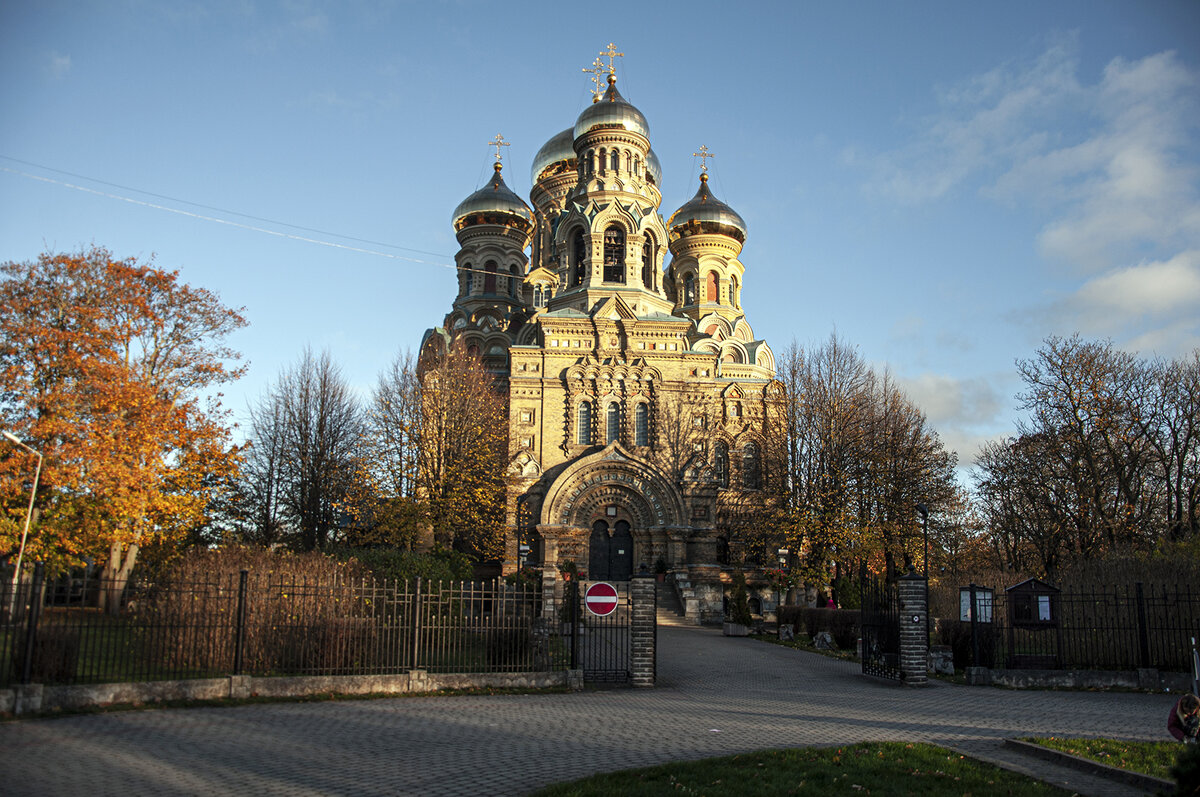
x=880, y=622
x=600, y=646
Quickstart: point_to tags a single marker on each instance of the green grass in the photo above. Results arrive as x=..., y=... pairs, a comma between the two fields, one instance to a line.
x=891, y=768
x=1148, y=758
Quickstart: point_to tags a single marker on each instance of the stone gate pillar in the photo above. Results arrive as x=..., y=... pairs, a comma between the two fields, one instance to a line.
x=914, y=636
x=644, y=617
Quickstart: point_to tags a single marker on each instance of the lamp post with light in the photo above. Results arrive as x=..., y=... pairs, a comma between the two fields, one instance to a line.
x=12, y=438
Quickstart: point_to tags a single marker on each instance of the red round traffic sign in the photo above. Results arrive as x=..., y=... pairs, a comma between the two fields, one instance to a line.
x=601, y=599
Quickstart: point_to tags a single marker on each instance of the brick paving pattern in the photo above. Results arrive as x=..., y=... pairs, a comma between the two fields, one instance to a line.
x=715, y=696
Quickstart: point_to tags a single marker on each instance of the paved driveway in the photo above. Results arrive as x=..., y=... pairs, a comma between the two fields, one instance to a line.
x=715, y=696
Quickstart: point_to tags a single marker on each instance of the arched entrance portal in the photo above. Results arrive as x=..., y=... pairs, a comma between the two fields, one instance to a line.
x=610, y=553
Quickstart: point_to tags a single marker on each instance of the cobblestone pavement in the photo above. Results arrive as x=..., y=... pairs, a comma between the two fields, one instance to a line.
x=716, y=696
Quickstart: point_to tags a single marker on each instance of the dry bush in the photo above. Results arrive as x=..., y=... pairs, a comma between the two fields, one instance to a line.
x=304, y=612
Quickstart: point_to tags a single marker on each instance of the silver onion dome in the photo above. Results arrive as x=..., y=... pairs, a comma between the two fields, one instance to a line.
x=612, y=111
x=654, y=167
x=559, y=149
x=704, y=213
x=493, y=204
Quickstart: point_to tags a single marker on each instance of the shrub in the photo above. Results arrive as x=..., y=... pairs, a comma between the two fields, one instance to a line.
x=791, y=615
x=55, y=654
x=396, y=565
x=508, y=647
x=816, y=620
x=844, y=625
x=1187, y=771
x=739, y=601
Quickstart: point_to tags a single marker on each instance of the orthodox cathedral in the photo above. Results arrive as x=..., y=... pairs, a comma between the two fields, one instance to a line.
x=638, y=395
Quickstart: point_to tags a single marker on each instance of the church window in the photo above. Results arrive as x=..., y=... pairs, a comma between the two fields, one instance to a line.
x=641, y=425
x=647, y=265
x=583, y=432
x=616, y=156
x=489, y=278
x=734, y=299
x=721, y=463
x=689, y=289
x=537, y=296
x=637, y=166
x=603, y=160
x=577, y=254
x=613, y=425
x=614, y=254
x=513, y=282
x=710, y=282
x=591, y=161
x=751, y=467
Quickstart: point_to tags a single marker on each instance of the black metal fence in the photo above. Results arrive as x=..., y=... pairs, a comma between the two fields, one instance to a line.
x=246, y=623
x=1117, y=628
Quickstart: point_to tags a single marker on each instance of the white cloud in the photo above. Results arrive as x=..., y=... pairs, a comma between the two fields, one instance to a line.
x=948, y=400
x=1108, y=162
x=59, y=65
x=1148, y=308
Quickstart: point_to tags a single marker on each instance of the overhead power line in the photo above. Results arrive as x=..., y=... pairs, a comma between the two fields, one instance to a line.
x=178, y=211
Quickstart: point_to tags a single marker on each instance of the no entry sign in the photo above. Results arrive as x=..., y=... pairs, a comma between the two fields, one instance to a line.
x=601, y=599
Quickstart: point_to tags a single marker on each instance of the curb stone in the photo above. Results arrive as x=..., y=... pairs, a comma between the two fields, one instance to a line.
x=1136, y=779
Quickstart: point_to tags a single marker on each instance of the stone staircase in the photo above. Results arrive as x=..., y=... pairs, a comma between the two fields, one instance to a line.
x=670, y=609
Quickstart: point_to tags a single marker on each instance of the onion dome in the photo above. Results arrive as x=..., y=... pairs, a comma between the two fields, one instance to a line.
x=705, y=214
x=493, y=204
x=612, y=112
x=654, y=167
x=556, y=151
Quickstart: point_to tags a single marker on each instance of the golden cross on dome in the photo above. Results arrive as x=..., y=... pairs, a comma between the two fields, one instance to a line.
x=596, y=71
x=703, y=155
x=612, y=53
x=498, y=142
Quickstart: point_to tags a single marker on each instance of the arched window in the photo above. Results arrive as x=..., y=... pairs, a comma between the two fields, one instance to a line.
x=689, y=289
x=603, y=160
x=467, y=274
x=721, y=463
x=577, y=254
x=734, y=299
x=513, y=281
x=539, y=299
x=583, y=430
x=637, y=166
x=648, y=265
x=489, y=278
x=614, y=254
x=591, y=161
x=612, y=428
x=641, y=425
x=616, y=160
x=710, y=286
x=751, y=467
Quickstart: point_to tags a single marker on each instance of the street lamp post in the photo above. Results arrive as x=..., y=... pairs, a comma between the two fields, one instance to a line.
x=28, y=512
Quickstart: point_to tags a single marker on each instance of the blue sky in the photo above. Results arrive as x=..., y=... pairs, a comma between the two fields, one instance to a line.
x=945, y=184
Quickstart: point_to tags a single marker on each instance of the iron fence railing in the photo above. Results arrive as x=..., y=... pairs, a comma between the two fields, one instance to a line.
x=245, y=623
x=1122, y=627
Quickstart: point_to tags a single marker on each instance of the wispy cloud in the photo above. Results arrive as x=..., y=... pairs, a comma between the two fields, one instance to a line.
x=963, y=411
x=59, y=65
x=1109, y=164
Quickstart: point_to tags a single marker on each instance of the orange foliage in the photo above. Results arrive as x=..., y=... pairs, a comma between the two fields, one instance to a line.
x=106, y=365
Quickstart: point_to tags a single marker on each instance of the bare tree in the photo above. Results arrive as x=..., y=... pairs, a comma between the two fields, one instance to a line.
x=305, y=437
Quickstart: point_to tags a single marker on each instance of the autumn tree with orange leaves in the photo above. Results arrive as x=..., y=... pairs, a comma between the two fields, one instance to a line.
x=108, y=368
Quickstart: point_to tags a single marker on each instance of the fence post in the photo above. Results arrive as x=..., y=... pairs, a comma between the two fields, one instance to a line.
x=914, y=641
x=239, y=644
x=573, y=602
x=31, y=627
x=1143, y=631
x=643, y=627
x=416, y=615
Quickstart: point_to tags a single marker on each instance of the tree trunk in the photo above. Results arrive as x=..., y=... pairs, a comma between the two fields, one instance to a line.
x=116, y=576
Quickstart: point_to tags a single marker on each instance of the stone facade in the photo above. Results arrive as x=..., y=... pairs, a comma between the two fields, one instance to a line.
x=638, y=394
